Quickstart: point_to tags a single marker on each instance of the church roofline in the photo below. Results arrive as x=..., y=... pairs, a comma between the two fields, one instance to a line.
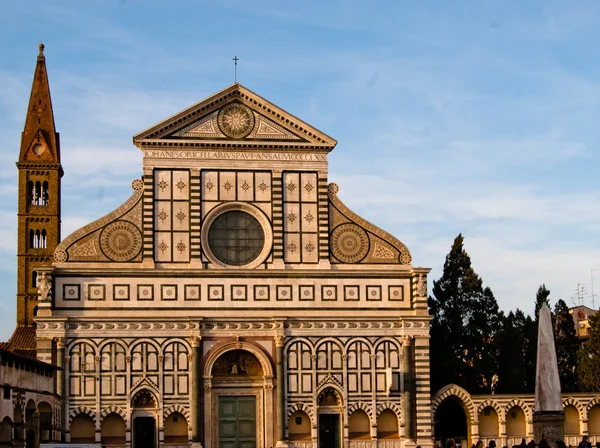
x=154, y=134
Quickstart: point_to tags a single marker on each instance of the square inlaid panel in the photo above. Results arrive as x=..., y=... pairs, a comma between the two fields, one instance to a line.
x=307, y=292
x=216, y=292
x=96, y=292
x=239, y=292
x=71, y=292
x=192, y=292
x=120, y=292
x=284, y=292
x=328, y=292
x=351, y=292
x=168, y=292
x=145, y=292
x=374, y=292
x=262, y=292
x=396, y=292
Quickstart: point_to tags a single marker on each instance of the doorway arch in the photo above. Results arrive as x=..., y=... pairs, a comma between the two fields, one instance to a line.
x=144, y=421
x=238, y=374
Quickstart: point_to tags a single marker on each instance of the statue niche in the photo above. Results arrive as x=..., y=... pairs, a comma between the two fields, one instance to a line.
x=237, y=363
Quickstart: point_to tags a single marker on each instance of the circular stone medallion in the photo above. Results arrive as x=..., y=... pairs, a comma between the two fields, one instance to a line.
x=121, y=241
x=236, y=120
x=349, y=243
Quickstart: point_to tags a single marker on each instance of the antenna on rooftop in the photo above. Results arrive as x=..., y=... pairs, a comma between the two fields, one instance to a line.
x=592, y=278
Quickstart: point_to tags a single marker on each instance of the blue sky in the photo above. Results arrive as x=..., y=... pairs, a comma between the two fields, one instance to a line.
x=465, y=116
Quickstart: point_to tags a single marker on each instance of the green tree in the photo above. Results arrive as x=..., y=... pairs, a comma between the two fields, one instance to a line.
x=588, y=358
x=541, y=298
x=465, y=319
x=567, y=344
x=510, y=346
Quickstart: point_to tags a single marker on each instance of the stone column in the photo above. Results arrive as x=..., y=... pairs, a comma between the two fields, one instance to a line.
x=60, y=383
x=407, y=392
x=280, y=408
x=196, y=389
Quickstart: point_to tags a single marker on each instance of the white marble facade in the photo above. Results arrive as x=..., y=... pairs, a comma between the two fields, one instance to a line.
x=235, y=300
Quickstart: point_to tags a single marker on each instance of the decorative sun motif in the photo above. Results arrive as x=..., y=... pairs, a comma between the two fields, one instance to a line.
x=291, y=218
x=181, y=185
x=245, y=186
x=236, y=120
x=309, y=217
x=181, y=247
x=263, y=187
x=181, y=215
x=308, y=187
x=209, y=185
x=163, y=246
x=310, y=248
x=163, y=216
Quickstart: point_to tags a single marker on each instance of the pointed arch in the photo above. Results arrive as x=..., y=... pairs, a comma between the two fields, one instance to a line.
x=113, y=409
x=176, y=408
x=493, y=404
x=81, y=410
x=301, y=407
x=520, y=403
x=365, y=407
x=452, y=390
x=392, y=407
x=594, y=401
x=570, y=401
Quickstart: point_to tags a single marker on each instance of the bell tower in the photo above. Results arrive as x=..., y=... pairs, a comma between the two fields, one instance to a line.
x=40, y=174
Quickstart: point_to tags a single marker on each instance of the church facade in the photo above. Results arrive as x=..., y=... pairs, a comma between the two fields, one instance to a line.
x=233, y=300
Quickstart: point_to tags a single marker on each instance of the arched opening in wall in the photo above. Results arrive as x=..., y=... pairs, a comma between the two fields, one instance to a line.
x=43, y=239
x=515, y=425
x=176, y=428
x=34, y=279
x=30, y=193
x=450, y=421
x=29, y=413
x=571, y=421
x=299, y=427
x=45, y=418
x=359, y=426
x=31, y=239
x=45, y=194
x=238, y=404
x=330, y=421
x=145, y=406
x=18, y=433
x=387, y=425
x=6, y=431
x=38, y=193
x=594, y=420
x=488, y=424
x=30, y=439
x=83, y=429
x=112, y=430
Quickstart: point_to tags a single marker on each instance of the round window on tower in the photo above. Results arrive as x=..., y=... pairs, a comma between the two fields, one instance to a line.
x=237, y=235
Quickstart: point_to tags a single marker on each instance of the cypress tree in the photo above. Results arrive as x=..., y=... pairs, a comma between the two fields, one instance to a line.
x=567, y=344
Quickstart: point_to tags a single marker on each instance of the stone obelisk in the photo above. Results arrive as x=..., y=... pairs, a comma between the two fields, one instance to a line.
x=548, y=414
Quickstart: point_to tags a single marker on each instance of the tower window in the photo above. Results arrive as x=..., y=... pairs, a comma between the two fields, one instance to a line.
x=45, y=193
x=30, y=193
x=37, y=239
x=33, y=279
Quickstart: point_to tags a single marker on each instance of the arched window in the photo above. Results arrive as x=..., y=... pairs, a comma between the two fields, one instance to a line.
x=299, y=368
x=33, y=279
x=30, y=193
x=176, y=429
x=45, y=194
x=38, y=193
x=112, y=368
x=31, y=239
x=43, y=239
x=176, y=367
x=82, y=370
x=359, y=367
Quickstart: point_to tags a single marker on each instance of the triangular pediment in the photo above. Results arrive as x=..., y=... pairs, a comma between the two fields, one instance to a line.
x=235, y=116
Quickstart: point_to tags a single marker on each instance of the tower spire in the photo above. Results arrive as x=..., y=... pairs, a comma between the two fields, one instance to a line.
x=40, y=175
x=40, y=141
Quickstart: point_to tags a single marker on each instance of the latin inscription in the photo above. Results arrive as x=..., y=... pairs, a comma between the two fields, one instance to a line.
x=214, y=155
